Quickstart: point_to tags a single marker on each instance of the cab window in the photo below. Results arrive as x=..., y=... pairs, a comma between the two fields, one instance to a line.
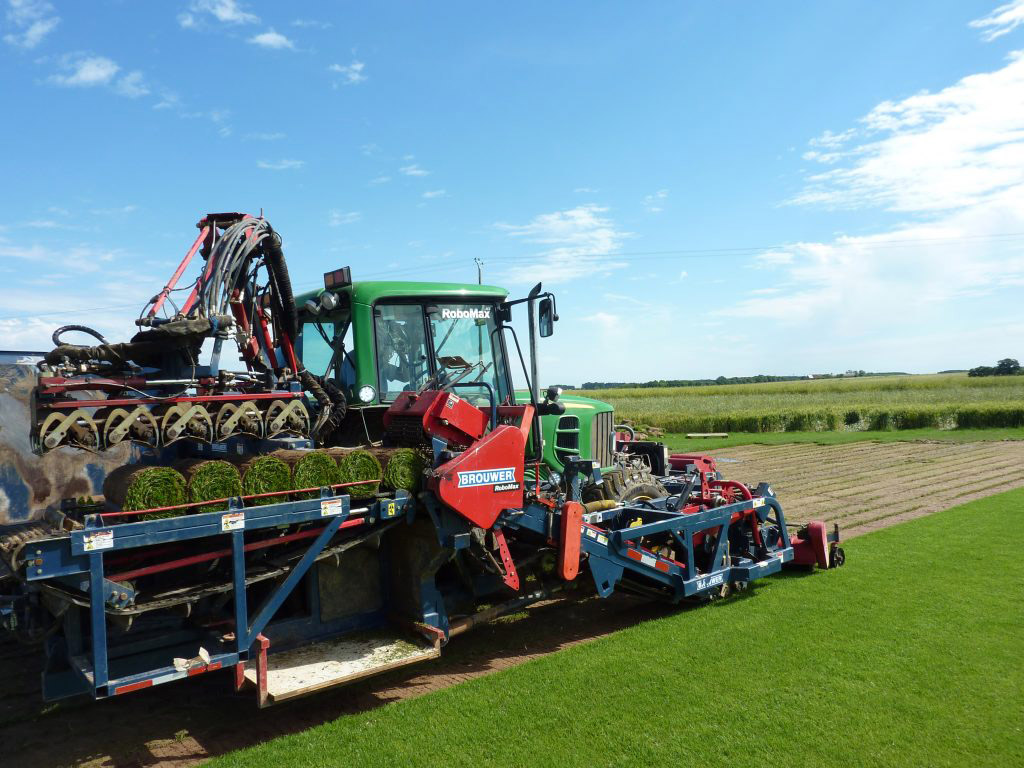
x=402, y=360
x=467, y=349
x=321, y=351
x=315, y=351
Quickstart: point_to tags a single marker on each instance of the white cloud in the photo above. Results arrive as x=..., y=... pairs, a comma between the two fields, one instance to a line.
x=772, y=259
x=86, y=72
x=312, y=23
x=280, y=165
x=1001, y=21
x=579, y=242
x=273, y=40
x=168, y=100
x=338, y=218
x=683, y=275
x=829, y=140
x=430, y=194
x=132, y=85
x=654, y=203
x=932, y=151
x=119, y=210
x=605, y=321
x=585, y=190
x=413, y=170
x=79, y=70
x=352, y=74
x=380, y=180
x=77, y=259
x=276, y=136
x=951, y=163
x=224, y=11
x=32, y=21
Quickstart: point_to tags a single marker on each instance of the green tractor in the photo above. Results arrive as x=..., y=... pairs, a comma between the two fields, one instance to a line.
x=371, y=341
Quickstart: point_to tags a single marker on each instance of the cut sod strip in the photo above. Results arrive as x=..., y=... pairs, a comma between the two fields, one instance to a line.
x=134, y=487
x=207, y=480
x=265, y=474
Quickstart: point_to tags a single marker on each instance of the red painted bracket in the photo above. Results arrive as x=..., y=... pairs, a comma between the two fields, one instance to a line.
x=569, y=547
x=511, y=576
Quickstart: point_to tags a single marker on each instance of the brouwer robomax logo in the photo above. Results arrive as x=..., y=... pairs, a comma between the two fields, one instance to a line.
x=473, y=313
x=480, y=477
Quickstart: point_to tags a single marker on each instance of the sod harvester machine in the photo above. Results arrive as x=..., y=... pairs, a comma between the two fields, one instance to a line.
x=299, y=586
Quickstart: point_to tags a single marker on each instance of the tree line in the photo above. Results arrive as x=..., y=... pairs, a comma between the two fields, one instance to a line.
x=1005, y=367
x=759, y=379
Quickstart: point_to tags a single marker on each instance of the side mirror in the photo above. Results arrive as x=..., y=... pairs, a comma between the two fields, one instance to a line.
x=551, y=405
x=546, y=322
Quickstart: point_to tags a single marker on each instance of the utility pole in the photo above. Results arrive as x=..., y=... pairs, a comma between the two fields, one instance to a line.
x=479, y=270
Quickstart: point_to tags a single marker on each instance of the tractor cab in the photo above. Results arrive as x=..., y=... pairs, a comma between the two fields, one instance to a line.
x=376, y=340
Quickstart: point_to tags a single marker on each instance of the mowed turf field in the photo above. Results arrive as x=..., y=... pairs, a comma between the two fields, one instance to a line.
x=908, y=656
x=950, y=401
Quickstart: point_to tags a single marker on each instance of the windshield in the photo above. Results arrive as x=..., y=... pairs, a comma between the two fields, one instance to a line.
x=467, y=350
x=402, y=362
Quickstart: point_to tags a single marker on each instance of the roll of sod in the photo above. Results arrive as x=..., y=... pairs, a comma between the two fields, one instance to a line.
x=360, y=465
x=265, y=474
x=310, y=469
x=206, y=480
x=134, y=487
x=404, y=470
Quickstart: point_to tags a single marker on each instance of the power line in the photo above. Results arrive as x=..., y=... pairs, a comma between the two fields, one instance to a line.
x=693, y=253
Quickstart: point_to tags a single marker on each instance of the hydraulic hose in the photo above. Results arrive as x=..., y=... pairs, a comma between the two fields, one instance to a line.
x=282, y=292
x=79, y=328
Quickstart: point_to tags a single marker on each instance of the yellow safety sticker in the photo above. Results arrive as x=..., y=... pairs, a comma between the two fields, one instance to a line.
x=98, y=540
x=331, y=507
x=232, y=521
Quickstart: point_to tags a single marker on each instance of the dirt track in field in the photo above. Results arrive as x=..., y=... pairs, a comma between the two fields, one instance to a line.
x=866, y=486
x=861, y=486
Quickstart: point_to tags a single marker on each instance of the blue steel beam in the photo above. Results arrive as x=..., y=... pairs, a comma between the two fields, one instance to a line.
x=279, y=595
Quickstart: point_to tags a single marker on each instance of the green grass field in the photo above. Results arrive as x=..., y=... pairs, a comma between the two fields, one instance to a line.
x=682, y=443
x=908, y=656
x=950, y=401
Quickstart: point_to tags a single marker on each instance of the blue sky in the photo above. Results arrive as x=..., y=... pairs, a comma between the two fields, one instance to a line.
x=710, y=188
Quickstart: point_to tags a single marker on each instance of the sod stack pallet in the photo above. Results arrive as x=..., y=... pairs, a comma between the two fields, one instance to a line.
x=206, y=480
x=134, y=486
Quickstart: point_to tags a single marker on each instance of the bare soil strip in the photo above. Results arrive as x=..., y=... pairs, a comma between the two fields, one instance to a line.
x=865, y=486
x=861, y=486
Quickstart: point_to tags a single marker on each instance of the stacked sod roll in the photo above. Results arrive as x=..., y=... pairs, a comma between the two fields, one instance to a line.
x=358, y=465
x=396, y=468
x=134, y=487
x=403, y=470
x=265, y=474
x=310, y=469
x=207, y=480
